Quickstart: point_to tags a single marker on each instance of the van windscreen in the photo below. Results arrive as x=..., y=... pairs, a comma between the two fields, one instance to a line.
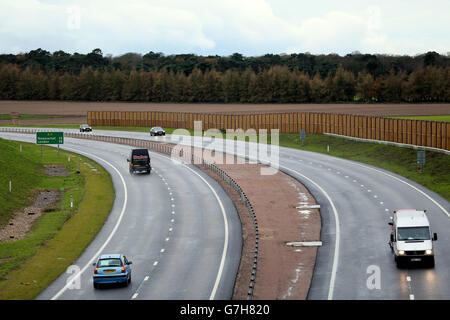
x=413, y=233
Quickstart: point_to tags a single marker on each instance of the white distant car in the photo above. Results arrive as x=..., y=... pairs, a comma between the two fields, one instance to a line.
x=85, y=128
x=411, y=239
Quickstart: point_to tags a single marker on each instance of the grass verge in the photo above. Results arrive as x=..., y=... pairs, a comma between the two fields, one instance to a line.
x=430, y=118
x=58, y=237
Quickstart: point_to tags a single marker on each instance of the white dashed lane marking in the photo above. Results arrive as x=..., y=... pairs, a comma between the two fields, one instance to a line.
x=346, y=177
x=155, y=263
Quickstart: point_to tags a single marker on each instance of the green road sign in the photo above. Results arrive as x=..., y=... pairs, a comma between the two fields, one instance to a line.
x=49, y=137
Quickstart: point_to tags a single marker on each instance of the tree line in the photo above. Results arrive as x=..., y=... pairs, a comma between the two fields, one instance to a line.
x=374, y=64
x=277, y=84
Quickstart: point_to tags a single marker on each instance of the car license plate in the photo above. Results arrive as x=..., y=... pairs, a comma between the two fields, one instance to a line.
x=110, y=271
x=416, y=259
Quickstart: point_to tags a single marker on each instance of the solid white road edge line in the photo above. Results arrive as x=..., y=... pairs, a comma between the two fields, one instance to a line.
x=225, y=245
x=336, y=253
x=336, y=217
x=76, y=276
x=60, y=292
x=224, y=252
x=336, y=245
x=225, y=221
x=410, y=185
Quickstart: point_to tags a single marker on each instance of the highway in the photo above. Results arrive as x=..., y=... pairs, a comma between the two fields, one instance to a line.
x=356, y=203
x=177, y=226
x=363, y=198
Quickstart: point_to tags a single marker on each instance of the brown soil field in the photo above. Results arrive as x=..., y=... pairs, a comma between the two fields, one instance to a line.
x=62, y=120
x=79, y=109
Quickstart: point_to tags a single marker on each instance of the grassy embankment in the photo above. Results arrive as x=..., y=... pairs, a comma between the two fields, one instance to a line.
x=430, y=118
x=57, y=237
x=403, y=161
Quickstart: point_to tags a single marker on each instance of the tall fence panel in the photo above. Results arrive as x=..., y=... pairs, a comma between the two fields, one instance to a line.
x=416, y=132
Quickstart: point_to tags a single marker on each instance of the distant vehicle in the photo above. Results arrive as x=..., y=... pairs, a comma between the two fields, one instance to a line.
x=111, y=268
x=139, y=161
x=157, y=131
x=411, y=239
x=85, y=128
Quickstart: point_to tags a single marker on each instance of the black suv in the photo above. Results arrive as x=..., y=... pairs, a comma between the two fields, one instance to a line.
x=157, y=131
x=139, y=161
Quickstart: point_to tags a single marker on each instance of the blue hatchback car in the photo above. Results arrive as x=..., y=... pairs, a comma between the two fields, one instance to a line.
x=112, y=268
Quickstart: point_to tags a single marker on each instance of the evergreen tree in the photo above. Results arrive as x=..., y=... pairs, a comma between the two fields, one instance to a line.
x=318, y=89
x=132, y=87
x=363, y=86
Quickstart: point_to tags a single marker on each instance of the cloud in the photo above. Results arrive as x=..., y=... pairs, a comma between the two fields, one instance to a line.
x=144, y=26
x=333, y=32
x=245, y=26
x=251, y=27
x=115, y=26
x=369, y=31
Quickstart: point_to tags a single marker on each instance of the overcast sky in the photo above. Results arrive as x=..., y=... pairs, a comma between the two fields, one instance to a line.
x=209, y=27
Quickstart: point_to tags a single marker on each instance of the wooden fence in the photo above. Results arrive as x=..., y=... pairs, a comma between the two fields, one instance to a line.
x=417, y=132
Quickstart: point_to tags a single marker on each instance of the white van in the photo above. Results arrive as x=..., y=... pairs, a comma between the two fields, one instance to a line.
x=411, y=238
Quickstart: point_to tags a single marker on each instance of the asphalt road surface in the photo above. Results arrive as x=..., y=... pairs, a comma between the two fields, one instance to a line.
x=177, y=226
x=356, y=203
